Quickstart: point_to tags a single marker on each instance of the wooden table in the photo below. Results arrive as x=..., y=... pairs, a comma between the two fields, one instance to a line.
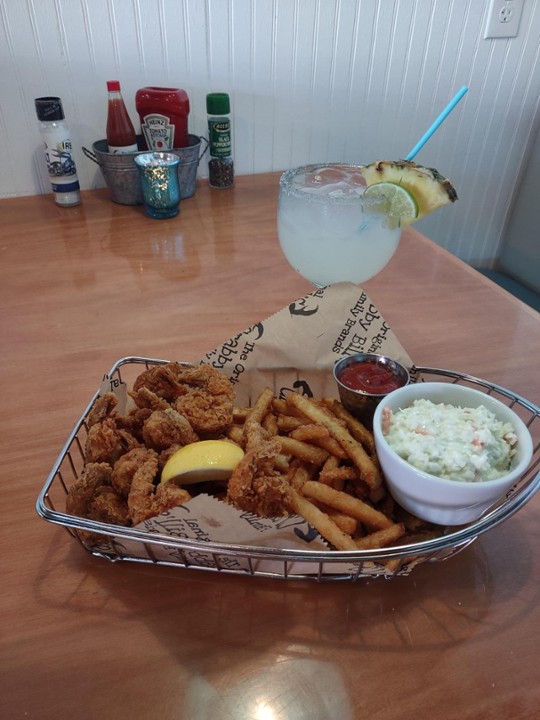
x=83, y=638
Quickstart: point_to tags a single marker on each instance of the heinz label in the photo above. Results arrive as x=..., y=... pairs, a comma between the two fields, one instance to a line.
x=158, y=132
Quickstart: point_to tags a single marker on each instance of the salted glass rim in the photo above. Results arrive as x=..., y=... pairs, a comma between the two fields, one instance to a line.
x=286, y=187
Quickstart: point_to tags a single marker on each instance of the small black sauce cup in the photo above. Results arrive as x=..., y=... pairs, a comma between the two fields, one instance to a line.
x=359, y=403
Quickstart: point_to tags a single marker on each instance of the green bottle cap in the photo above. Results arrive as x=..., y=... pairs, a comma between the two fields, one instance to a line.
x=218, y=104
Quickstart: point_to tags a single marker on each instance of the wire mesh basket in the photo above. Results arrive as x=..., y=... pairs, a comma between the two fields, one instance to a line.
x=132, y=544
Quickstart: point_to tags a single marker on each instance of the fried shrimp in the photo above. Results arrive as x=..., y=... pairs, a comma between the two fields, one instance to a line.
x=125, y=452
x=133, y=422
x=206, y=399
x=255, y=486
x=145, y=398
x=161, y=380
x=93, y=497
x=201, y=393
x=168, y=496
x=102, y=408
x=145, y=500
x=167, y=427
x=108, y=507
x=81, y=493
x=125, y=468
x=105, y=442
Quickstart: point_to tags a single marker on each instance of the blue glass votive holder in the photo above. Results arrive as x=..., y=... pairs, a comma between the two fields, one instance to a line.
x=159, y=183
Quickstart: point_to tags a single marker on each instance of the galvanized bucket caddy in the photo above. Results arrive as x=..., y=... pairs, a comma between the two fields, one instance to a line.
x=121, y=175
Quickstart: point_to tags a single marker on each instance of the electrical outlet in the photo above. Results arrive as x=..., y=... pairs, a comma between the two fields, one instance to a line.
x=503, y=18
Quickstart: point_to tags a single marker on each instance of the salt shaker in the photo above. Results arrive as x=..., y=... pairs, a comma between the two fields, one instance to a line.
x=220, y=165
x=58, y=148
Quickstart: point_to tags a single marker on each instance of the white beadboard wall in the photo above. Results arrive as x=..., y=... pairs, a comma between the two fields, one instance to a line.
x=310, y=80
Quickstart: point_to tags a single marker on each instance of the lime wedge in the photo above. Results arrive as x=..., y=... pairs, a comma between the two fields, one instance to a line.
x=399, y=203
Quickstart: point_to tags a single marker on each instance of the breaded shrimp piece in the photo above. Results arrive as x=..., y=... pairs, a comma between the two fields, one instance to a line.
x=82, y=492
x=125, y=468
x=201, y=393
x=145, y=500
x=255, y=486
x=105, y=442
x=102, y=408
x=145, y=398
x=141, y=493
x=168, y=496
x=108, y=507
x=162, y=380
x=164, y=455
x=206, y=399
x=167, y=427
x=133, y=422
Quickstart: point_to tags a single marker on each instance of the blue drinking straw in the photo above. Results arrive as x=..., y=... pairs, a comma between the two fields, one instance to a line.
x=442, y=117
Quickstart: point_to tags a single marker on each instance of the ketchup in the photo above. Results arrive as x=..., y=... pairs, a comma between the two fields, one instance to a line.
x=121, y=136
x=164, y=117
x=370, y=377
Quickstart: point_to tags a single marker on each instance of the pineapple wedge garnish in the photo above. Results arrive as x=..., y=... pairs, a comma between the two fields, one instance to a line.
x=429, y=188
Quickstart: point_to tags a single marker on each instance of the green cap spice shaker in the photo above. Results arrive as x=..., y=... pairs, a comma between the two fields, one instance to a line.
x=220, y=165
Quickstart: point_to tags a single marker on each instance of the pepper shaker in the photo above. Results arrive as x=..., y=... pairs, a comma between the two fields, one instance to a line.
x=220, y=165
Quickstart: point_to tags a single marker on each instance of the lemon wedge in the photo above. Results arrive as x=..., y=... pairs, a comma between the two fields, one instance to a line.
x=202, y=461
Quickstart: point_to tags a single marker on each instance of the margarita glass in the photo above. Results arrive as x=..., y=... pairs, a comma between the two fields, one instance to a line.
x=327, y=230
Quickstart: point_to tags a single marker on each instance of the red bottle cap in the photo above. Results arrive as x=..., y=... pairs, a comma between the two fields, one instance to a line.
x=113, y=85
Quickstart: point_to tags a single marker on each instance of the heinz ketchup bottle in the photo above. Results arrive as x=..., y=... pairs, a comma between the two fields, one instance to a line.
x=163, y=112
x=121, y=136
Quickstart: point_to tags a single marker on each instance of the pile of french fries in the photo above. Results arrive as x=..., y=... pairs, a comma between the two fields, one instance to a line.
x=330, y=471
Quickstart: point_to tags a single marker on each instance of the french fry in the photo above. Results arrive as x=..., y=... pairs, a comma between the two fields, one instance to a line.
x=331, y=463
x=279, y=406
x=411, y=522
x=281, y=463
x=261, y=406
x=377, y=494
x=387, y=506
x=348, y=524
x=253, y=430
x=420, y=536
x=240, y=413
x=359, y=432
x=318, y=435
x=320, y=521
x=339, y=474
x=302, y=450
x=381, y=538
x=236, y=434
x=354, y=426
x=269, y=423
x=345, y=503
x=287, y=423
x=369, y=472
x=332, y=446
x=310, y=432
x=301, y=474
x=393, y=564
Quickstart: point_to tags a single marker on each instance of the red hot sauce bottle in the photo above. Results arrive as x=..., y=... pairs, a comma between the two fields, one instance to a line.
x=121, y=136
x=164, y=117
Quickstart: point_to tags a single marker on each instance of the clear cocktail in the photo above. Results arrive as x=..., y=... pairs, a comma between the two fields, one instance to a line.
x=328, y=231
